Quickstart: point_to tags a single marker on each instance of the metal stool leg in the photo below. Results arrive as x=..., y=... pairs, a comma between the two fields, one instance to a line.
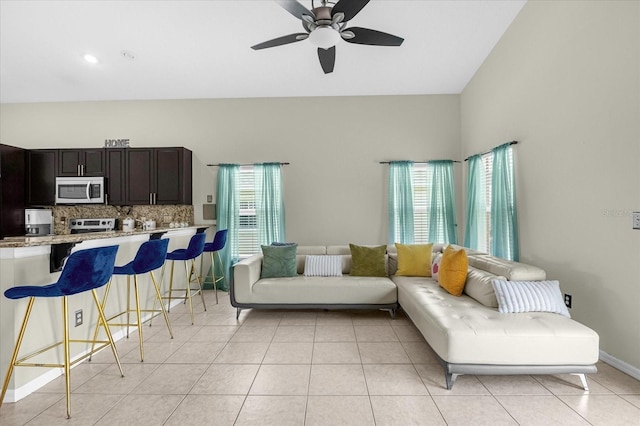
x=213, y=275
x=193, y=266
x=16, y=349
x=159, y=299
x=188, y=291
x=139, y=319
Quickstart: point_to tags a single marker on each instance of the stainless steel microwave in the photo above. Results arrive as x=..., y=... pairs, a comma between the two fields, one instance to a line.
x=80, y=190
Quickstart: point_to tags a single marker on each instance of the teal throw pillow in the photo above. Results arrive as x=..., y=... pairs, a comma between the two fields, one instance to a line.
x=279, y=261
x=368, y=261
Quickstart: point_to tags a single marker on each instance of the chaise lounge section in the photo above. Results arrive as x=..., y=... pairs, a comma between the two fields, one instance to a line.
x=470, y=335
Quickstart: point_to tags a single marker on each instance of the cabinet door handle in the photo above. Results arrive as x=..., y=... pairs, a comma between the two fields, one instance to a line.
x=78, y=170
x=151, y=198
x=82, y=169
x=106, y=199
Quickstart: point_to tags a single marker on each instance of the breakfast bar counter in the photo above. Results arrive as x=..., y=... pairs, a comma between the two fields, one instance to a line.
x=15, y=242
x=28, y=261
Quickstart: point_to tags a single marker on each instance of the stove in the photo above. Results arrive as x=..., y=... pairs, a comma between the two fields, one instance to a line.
x=81, y=226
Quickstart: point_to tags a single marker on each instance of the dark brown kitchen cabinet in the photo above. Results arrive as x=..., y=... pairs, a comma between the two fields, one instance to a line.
x=12, y=190
x=115, y=165
x=42, y=165
x=81, y=162
x=158, y=176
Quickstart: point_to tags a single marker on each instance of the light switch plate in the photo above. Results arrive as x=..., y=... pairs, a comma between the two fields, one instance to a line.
x=636, y=220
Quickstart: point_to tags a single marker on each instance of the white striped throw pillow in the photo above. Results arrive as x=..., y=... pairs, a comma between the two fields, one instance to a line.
x=529, y=296
x=323, y=266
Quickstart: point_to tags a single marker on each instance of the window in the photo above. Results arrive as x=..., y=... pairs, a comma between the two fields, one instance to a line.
x=433, y=210
x=485, y=239
x=248, y=221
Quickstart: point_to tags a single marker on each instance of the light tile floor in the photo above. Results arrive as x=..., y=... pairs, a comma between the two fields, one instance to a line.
x=309, y=368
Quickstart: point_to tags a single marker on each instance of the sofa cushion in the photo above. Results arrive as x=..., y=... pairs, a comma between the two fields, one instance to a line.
x=529, y=296
x=368, y=261
x=479, y=286
x=414, y=260
x=278, y=261
x=514, y=271
x=453, y=270
x=435, y=266
x=323, y=266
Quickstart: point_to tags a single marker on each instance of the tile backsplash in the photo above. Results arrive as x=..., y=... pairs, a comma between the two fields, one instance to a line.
x=163, y=215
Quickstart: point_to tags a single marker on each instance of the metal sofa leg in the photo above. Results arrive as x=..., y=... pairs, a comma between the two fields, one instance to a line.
x=393, y=313
x=450, y=378
x=583, y=379
x=238, y=313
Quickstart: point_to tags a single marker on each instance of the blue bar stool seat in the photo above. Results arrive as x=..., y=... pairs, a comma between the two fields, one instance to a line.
x=150, y=256
x=84, y=270
x=193, y=250
x=219, y=240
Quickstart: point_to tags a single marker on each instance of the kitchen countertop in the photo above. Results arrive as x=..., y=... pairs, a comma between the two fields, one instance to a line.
x=16, y=242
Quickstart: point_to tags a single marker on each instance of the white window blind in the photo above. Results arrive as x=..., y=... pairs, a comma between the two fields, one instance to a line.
x=421, y=197
x=248, y=225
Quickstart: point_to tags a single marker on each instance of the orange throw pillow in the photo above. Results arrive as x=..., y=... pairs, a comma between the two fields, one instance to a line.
x=453, y=270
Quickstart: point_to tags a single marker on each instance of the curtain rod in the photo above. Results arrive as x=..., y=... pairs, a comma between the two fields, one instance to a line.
x=422, y=162
x=251, y=164
x=486, y=152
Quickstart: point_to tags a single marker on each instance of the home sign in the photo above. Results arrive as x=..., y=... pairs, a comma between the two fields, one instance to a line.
x=116, y=143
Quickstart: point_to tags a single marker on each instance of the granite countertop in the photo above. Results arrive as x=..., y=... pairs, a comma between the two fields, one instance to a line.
x=16, y=242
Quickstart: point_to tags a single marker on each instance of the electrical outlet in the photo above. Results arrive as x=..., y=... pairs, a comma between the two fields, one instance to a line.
x=209, y=198
x=567, y=300
x=636, y=220
x=78, y=314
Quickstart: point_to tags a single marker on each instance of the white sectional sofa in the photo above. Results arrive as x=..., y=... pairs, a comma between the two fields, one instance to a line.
x=468, y=333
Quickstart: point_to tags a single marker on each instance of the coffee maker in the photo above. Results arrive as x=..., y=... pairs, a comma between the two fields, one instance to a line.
x=38, y=222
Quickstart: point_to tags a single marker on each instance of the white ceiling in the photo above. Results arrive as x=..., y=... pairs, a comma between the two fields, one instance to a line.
x=201, y=49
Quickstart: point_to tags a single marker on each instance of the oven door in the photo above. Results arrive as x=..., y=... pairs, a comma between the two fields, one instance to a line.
x=80, y=190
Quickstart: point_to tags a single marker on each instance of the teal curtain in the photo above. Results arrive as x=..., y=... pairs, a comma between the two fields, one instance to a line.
x=401, y=202
x=475, y=231
x=504, y=221
x=442, y=208
x=270, y=213
x=228, y=214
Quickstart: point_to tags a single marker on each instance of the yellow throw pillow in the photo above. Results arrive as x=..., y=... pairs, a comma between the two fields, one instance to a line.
x=453, y=270
x=414, y=260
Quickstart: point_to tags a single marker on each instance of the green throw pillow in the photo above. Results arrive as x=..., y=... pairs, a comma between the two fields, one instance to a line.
x=368, y=261
x=279, y=261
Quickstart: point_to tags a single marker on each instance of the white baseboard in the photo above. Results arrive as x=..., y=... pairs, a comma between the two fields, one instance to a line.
x=14, y=395
x=620, y=365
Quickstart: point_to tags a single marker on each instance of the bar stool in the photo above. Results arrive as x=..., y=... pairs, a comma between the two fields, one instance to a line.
x=193, y=250
x=84, y=270
x=219, y=240
x=150, y=256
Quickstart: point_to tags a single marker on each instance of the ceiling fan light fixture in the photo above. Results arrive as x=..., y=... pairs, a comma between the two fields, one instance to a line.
x=324, y=36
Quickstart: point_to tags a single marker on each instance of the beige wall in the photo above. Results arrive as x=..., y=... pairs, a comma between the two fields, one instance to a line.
x=335, y=188
x=564, y=80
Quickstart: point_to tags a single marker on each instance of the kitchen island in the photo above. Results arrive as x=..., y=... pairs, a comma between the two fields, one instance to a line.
x=28, y=261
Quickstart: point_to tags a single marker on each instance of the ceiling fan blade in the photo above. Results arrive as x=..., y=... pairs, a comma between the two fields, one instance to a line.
x=372, y=37
x=295, y=8
x=327, y=58
x=350, y=8
x=291, y=38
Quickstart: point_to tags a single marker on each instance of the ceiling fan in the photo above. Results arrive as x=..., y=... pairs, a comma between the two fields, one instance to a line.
x=325, y=25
